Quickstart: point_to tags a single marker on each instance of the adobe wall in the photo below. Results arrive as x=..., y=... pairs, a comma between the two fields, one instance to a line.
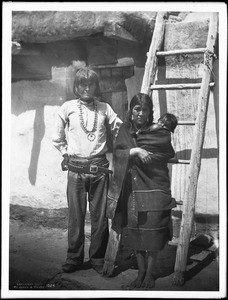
x=42, y=81
x=36, y=176
x=183, y=103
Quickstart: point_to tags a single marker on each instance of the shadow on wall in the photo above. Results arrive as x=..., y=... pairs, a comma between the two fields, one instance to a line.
x=206, y=153
x=30, y=94
x=161, y=79
x=34, y=96
x=39, y=131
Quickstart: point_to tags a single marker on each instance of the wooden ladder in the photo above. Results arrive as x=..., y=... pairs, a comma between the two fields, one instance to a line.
x=194, y=163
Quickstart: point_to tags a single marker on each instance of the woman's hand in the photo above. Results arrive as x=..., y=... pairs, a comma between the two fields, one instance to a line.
x=142, y=154
x=64, y=163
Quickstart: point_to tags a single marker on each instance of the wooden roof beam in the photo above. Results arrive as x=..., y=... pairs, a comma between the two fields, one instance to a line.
x=115, y=31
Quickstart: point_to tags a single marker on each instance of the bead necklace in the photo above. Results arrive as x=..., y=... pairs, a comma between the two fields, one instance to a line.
x=139, y=129
x=90, y=133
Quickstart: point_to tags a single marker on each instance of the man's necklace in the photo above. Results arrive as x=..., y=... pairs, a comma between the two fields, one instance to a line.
x=90, y=133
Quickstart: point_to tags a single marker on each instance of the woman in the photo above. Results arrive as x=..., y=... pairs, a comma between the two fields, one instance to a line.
x=140, y=187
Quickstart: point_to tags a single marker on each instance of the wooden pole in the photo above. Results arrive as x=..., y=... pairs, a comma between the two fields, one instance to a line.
x=151, y=63
x=195, y=163
x=111, y=252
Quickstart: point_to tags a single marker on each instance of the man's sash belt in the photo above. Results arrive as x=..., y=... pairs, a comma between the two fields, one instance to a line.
x=88, y=169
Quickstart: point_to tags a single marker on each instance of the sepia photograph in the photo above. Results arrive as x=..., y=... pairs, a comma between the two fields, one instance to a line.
x=114, y=150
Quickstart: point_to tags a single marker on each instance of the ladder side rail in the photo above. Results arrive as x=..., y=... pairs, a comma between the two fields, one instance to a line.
x=151, y=62
x=195, y=162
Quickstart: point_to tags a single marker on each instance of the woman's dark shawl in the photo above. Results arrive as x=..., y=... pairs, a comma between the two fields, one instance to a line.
x=145, y=177
x=139, y=197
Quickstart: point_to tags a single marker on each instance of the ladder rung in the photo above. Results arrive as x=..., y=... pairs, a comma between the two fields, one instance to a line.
x=179, y=161
x=180, y=202
x=178, y=86
x=181, y=51
x=186, y=122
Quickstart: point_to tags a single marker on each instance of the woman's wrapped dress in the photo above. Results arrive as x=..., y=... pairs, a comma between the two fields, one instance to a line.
x=142, y=192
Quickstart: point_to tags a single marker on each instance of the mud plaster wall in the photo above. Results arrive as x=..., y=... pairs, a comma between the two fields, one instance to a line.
x=36, y=177
x=184, y=103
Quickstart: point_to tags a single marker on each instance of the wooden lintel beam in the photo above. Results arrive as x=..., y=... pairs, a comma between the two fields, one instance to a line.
x=116, y=31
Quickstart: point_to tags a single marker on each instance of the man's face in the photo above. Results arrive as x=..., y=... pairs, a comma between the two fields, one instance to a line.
x=86, y=90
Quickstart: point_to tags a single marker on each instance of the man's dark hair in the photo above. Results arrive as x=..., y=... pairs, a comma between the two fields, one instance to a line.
x=84, y=75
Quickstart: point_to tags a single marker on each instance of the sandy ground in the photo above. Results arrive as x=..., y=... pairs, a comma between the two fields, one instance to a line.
x=38, y=245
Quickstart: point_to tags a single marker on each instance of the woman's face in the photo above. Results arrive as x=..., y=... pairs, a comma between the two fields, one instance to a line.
x=140, y=114
x=86, y=90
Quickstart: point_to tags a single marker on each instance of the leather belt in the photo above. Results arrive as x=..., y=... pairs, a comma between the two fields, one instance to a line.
x=89, y=169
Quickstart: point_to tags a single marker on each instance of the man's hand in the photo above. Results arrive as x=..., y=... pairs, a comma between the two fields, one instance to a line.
x=64, y=163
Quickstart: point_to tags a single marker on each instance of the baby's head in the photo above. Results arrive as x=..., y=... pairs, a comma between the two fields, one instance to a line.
x=168, y=121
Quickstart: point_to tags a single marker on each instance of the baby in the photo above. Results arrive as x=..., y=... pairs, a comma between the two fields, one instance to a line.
x=167, y=121
x=160, y=137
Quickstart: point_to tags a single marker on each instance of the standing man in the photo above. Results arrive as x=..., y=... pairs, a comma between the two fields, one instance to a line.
x=84, y=156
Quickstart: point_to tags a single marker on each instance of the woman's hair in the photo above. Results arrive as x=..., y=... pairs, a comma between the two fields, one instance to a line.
x=86, y=75
x=142, y=100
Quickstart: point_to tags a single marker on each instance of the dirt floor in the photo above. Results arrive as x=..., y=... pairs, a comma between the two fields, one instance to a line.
x=38, y=245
